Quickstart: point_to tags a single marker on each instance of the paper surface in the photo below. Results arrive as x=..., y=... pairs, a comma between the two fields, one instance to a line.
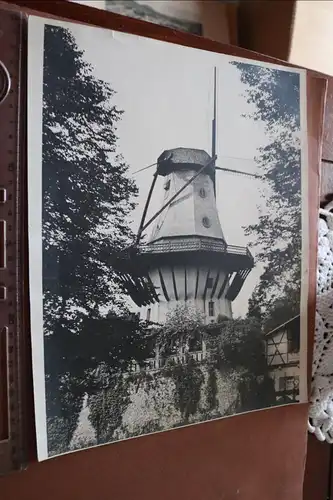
x=155, y=311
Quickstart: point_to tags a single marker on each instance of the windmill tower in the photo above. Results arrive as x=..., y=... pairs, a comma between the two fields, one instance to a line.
x=187, y=259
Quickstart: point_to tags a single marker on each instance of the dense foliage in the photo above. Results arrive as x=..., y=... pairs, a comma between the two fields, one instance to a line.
x=275, y=99
x=87, y=199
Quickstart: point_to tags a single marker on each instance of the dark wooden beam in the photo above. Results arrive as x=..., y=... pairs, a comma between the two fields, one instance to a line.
x=164, y=289
x=224, y=284
x=174, y=283
x=206, y=285
x=215, y=285
x=197, y=283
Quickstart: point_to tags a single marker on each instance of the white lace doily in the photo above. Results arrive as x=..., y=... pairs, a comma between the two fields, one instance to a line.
x=321, y=407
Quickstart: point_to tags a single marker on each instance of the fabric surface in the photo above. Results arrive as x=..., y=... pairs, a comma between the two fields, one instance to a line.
x=321, y=408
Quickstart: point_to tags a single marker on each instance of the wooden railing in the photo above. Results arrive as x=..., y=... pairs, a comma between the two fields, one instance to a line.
x=152, y=364
x=194, y=244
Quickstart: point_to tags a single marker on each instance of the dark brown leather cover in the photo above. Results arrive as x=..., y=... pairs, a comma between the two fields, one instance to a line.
x=259, y=455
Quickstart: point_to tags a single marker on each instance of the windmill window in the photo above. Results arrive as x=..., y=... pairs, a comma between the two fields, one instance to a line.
x=167, y=185
x=206, y=222
x=293, y=335
x=202, y=193
x=148, y=314
x=211, y=311
x=288, y=383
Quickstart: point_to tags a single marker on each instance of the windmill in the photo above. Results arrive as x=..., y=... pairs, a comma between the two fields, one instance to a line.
x=186, y=258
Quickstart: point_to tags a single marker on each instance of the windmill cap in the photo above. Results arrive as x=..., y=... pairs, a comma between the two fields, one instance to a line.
x=172, y=160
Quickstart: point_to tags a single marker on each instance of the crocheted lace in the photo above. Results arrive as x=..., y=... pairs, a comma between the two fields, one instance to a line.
x=321, y=407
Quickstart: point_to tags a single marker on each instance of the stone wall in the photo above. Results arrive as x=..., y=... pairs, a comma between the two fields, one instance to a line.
x=154, y=405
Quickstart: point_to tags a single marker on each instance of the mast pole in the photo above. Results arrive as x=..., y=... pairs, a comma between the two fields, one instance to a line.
x=214, y=126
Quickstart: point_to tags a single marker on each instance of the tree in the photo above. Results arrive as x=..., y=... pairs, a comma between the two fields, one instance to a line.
x=239, y=337
x=87, y=195
x=283, y=309
x=107, y=406
x=184, y=325
x=87, y=199
x=188, y=379
x=240, y=347
x=275, y=98
x=63, y=410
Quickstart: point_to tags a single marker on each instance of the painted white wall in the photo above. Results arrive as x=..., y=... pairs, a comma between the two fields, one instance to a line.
x=311, y=35
x=160, y=310
x=184, y=215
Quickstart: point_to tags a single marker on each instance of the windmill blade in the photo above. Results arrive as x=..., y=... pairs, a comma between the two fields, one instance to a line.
x=239, y=172
x=144, y=168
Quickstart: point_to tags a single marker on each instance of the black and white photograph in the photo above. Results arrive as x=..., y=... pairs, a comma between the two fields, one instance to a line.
x=168, y=245
x=182, y=16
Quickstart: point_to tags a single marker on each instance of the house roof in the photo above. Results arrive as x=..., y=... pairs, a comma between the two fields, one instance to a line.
x=275, y=330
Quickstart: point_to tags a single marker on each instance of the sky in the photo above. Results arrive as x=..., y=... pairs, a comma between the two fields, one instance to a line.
x=166, y=92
